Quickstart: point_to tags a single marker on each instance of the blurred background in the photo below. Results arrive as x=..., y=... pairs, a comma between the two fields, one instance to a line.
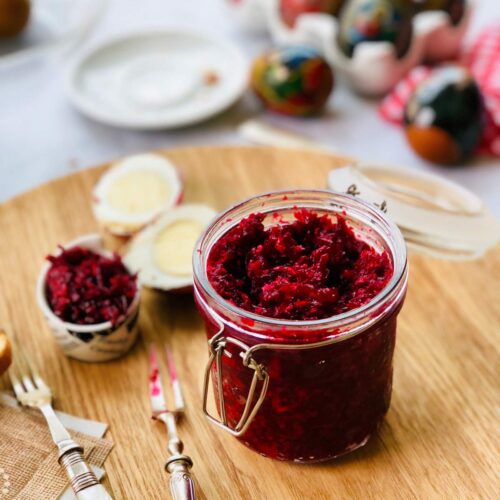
x=42, y=135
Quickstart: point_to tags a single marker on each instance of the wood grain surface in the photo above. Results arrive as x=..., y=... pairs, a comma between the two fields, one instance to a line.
x=440, y=438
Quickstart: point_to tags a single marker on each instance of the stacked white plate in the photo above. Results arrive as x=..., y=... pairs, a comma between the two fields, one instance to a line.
x=157, y=80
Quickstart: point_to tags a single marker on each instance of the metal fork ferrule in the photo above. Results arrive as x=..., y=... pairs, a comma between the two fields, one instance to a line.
x=179, y=459
x=66, y=446
x=79, y=473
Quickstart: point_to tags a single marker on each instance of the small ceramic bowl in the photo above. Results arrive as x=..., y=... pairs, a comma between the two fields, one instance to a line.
x=92, y=343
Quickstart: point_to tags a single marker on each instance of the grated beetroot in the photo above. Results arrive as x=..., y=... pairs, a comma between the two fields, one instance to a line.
x=311, y=268
x=86, y=288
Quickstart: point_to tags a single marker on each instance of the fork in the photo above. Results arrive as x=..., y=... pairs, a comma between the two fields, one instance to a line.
x=32, y=391
x=178, y=464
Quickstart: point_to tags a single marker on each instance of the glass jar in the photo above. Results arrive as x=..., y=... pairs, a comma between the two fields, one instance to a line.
x=305, y=391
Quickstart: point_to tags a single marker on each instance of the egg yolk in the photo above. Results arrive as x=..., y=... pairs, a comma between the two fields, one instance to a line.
x=174, y=245
x=138, y=192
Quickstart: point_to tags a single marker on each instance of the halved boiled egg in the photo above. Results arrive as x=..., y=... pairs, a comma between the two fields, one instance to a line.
x=162, y=253
x=134, y=192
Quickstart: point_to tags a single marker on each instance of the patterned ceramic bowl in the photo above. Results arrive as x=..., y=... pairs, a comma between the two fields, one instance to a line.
x=93, y=343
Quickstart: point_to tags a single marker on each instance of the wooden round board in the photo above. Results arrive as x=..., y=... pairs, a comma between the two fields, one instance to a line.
x=440, y=437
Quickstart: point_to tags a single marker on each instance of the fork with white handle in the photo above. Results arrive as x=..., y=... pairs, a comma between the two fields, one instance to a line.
x=178, y=464
x=32, y=391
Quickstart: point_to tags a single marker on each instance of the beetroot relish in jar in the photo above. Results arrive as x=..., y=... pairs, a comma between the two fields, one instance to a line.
x=307, y=286
x=309, y=268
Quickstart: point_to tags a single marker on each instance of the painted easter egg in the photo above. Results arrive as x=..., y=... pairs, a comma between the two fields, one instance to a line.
x=375, y=21
x=444, y=116
x=294, y=81
x=14, y=16
x=290, y=10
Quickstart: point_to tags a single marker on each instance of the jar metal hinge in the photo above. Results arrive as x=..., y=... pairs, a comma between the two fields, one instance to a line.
x=260, y=377
x=354, y=191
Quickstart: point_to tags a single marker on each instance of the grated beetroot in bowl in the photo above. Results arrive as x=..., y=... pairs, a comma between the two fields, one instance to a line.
x=86, y=288
x=311, y=268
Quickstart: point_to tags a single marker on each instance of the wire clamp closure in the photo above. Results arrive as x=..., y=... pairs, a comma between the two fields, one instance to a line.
x=354, y=191
x=218, y=347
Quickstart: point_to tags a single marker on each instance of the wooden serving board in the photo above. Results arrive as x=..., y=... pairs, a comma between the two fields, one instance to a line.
x=439, y=440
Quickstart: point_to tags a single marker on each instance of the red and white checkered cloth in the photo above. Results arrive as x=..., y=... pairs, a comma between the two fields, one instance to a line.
x=482, y=58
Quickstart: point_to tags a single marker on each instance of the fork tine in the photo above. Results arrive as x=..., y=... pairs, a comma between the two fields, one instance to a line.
x=28, y=383
x=16, y=383
x=157, y=396
x=15, y=372
x=174, y=381
x=26, y=374
x=37, y=379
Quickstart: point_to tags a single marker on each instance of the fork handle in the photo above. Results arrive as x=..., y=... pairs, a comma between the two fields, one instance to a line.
x=84, y=483
x=181, y=482
x=182, y=486
x=96, y=492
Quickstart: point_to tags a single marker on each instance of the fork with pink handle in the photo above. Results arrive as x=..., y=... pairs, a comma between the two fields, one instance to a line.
x=178, y=464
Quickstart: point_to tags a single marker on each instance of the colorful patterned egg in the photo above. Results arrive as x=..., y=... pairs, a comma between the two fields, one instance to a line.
x=293, y=81
x=444, y=117
x=290, y=10
x=373, y=21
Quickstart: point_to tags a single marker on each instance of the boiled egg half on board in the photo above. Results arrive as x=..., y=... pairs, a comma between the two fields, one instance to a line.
x=162, y=253
x=134, y=192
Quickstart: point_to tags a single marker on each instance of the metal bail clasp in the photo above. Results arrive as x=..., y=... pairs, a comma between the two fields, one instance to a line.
x=354, y=191
x=217, y=348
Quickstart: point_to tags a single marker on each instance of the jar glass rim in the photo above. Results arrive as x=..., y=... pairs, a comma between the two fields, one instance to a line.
x=397, y=249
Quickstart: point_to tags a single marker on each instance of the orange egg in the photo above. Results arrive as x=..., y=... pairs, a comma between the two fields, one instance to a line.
x=14, y=15
x=433, y=144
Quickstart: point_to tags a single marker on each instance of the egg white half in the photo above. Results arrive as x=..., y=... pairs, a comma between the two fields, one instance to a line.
x=134, y=192
x=161, y=253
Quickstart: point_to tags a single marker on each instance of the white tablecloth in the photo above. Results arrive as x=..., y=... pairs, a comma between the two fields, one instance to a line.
x=42, y=136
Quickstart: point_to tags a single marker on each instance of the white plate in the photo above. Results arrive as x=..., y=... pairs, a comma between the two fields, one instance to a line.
x=53, y=25
x=157, y=80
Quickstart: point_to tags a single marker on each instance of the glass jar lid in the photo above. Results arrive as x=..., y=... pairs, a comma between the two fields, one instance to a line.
x=436, y=216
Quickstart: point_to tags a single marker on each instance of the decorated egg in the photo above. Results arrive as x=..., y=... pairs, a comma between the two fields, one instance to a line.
x=375, y=21
x=454, y=8
x=14, y=16
x=290, y=10
x=444, y=116
x=294, y=81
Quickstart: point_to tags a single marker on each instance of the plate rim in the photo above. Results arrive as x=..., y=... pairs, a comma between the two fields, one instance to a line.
x=94, y=113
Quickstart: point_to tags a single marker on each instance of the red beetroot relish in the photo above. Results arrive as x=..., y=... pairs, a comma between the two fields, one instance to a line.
x=311, y=268
x=86, y=288
x=322, y=400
